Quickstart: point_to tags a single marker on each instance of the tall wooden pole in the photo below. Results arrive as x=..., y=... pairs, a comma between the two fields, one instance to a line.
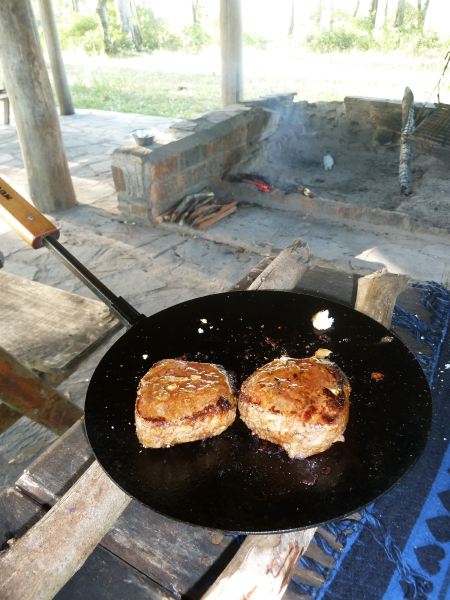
x=31, y=96
x=55, y=56
x=231, y=48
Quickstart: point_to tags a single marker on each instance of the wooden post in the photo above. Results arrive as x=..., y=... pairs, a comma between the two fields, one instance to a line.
x=405, y=160
x=55, y=56
x=231, y=50
x=23, y=391
x=286, y=270
x=262, y=568
x=31, y=96
x=377, y=293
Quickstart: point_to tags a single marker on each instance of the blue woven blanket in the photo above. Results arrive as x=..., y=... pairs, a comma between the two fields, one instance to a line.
x=401, y=547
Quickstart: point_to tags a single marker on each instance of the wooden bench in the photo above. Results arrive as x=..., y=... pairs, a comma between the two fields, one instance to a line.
x=45, y=334
x=133, y=551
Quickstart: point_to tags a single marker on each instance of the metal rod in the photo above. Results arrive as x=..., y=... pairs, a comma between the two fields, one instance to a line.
x=118, y=305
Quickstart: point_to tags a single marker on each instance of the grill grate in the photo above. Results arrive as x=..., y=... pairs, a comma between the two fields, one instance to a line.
x=435, y=128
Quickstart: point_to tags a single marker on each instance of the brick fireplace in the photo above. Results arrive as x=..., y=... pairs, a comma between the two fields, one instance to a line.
x=276, y=136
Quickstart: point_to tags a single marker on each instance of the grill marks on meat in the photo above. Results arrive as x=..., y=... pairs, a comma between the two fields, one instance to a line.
x=180, y=401
x=300, y=404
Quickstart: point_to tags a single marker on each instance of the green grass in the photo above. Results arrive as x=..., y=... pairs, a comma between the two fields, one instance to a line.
x=182, y=86
x=163, y=94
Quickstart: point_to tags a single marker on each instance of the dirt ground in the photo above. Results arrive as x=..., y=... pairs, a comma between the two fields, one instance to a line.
x=370, y=178
x=363, y=174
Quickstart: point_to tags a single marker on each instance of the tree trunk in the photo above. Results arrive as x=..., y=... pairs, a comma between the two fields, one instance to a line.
x=400, y=14
x=380, y=17
x=231, y=49
x=56, y=59
x=195, y=4
x=75, y=6
x=373, y=12
x=31, y=96
x=326, y=10
x=422, y=13
x=128, y=23
x=292, y=19
x=355, y=12
x=102, y=11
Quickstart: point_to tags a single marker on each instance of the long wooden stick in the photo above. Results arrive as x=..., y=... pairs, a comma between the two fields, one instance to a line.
x=23, y=391
x=262, y=568
x=45, y=558
x=286, y=270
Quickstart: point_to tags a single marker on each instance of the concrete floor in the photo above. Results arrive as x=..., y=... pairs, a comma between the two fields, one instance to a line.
x=156, y=266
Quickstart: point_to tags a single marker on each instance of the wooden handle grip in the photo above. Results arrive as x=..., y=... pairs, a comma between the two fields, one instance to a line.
x=23, y=217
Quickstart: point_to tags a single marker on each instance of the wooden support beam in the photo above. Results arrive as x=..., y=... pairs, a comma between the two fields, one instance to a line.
x=286, y=270
x=262, y=568
x=55, y=56
x=23, y=391
x=8, y=416
x=377, y=294
x=231, y=50
x=31, y=96
x=69, y=533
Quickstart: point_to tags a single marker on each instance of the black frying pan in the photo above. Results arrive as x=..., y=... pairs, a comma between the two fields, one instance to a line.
x=235, y=481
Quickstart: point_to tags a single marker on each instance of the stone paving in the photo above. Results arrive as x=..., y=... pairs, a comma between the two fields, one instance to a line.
x=156, y=266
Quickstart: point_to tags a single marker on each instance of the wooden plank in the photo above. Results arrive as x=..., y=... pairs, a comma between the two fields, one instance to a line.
x=31, y=96
x=8, y=416
x=175, y=554
x=105, y=577
x=17, y=514
x=329, y=283
x=161, y=548
x=377, y=294
x=285, y=271
x=244, y=283
x=262, y=568
x=69, y=533
x=22, y=390
x=51, y=475
x=50, y=330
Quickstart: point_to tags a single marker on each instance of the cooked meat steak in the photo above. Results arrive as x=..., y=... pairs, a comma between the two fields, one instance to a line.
x=180, y=401
x=300, y=404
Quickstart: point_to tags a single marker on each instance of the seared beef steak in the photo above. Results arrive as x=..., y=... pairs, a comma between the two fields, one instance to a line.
x=300, y=404
x=180, y=401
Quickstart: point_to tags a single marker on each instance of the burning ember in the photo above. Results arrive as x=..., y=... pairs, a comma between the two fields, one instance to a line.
x=258, y=181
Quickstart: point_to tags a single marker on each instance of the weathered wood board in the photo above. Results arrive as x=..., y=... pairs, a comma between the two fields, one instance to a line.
x=53, y=472
x=17, y=514
x=106, y=577
x=47, y=329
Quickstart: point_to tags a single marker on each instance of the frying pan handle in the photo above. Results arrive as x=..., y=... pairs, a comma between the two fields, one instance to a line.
x=23, y=217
